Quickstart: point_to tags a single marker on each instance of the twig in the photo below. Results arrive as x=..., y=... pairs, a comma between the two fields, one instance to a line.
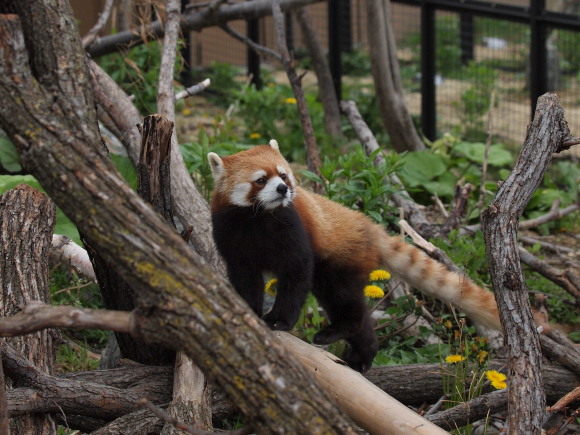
x=430, y=248
x=546, y=245
x=552, y=215
x=564, y=278
x=306, y=121
x=192, y=90
x=482, y=190
x=258, y=48
x=38, y=315
x=91, y=35
x=437, y=405
x=565, y=400
x=548, y=217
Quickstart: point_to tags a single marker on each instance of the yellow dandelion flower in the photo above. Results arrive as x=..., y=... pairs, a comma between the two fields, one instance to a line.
x=374, y=291
x=497, y=379
x=290, y=100
x=448, y=324
x=255, y=136
x=452, y=359
x=269, y=287
x=379, y=275
x=186, y=112
x=481, y=356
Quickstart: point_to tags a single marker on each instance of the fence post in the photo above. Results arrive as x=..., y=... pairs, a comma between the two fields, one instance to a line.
x=428, y=71
x=253, y=29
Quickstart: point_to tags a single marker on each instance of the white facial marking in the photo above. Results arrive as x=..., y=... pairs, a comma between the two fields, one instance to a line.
x=258, y=174
x=269, y=196
x=240, y=195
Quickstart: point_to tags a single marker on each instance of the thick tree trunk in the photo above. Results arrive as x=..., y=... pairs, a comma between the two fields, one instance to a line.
x=183, y=304
x=546, y=135
x=27, y=220
x=388, y=87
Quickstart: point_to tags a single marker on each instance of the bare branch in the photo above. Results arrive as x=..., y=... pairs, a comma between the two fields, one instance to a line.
x=168, y=418
x=565, y=400
x=258, y=48
x=552, y=215
x=526, y=401
x=192, y=90
x=413, y=212
x=36, y=316
x=90, y=37
x=165, y=94
x=472, y=410
x=305, y=120
x=195, y=20
x=566, y=279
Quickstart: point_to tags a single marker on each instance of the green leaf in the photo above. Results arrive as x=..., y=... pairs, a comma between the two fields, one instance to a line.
x=126, y=169
x=9, y=158
x=475, y=151
x=421, y=167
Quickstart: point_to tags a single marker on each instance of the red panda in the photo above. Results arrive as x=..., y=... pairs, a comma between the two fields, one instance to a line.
x=264, y=222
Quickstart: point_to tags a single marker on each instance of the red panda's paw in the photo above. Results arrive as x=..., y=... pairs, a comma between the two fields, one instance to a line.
x=359, y=361
x=330, y=334
x=276, y=323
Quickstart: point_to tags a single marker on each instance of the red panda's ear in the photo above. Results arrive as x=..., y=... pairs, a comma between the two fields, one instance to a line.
x=274, y=144
x=216, y=164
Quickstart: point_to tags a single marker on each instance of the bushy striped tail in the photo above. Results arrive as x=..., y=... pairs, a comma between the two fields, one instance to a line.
x=413, y=266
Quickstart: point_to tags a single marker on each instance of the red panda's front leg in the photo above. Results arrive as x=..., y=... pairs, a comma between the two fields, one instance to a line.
x=293, y=287
x=249, y=284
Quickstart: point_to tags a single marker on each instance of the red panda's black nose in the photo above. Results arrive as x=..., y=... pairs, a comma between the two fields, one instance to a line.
x=282, y=189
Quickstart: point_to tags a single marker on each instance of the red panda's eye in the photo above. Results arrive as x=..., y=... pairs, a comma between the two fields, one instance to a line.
x=283, y=176
x=261, y=181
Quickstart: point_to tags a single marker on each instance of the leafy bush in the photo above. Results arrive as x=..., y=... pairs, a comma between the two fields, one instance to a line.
x=353, y=180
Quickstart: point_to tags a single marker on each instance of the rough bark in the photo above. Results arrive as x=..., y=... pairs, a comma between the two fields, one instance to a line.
x=326, y=90
x=195, y=20
x=190, y=404
x=183, y=303
x=4, y=417
x=386, y=76
x=471, y=411
x=423, y=384
x=27, y=219
x=546, y=135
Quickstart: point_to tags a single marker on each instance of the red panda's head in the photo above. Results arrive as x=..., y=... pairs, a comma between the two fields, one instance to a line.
x=259, y=177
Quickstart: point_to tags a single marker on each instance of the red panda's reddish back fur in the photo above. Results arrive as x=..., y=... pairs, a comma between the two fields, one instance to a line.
x=339, y=248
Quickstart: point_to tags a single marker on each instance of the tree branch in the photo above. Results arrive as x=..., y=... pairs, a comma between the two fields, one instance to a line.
x=36, y=316
x=295, y=82
x=91, y=35
x=413, y=212
x=194, y=20
x=193, y=90
x=500, y=223
x=473, y=410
